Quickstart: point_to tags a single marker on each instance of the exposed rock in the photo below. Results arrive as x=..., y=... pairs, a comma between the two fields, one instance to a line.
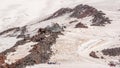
x=80, y=25
x=112, y=64
x=22, y=33
x=2, y=58
x=99, y=19
x=46, y=37
x=111, y=52
x=40, y=52
x=9, y=30
x=55, y=28
x=82, y=11
x=93, y=54
x=58, y=13
x=73, y=21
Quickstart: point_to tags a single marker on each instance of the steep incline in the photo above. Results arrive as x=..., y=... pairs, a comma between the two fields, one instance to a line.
x=68, y=35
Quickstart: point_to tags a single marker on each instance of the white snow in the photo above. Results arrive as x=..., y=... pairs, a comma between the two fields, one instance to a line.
x=6, y=43
x=71, y=65
x=71, y=49
x=21, y=52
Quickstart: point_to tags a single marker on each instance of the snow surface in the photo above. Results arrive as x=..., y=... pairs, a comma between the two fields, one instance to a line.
x=6, y=43
x=27, y=11
x=21, y=52
x=71, y=65
x=71, y=49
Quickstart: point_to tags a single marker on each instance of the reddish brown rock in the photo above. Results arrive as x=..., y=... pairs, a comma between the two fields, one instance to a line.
x=2, y=59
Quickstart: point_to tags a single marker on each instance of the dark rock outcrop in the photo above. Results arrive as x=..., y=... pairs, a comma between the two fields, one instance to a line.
x=82, y=11
x=111, y=52
x=10, y=30
x=58, y=13
x=46, y=37
x=2, y=58
x=16, y=31
x=93, y=54
x=40, y=52
x=80, y=25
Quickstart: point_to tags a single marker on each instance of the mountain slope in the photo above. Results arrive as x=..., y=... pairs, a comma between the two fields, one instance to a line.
x=69, y=35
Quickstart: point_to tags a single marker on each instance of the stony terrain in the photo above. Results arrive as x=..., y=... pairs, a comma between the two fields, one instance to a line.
x=71, y=34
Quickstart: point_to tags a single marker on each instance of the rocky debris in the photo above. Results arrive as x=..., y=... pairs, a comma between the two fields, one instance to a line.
x=22, y=33
x=111, y=52
x=40, y=52
x=10, y=30
x=93, y=54
x=82, y=11
x=58, y=13
x=80, y=25
x=111, y=64
x=2, y=58
x=99, y=19
x=55, y=28
x=73, y=21
x=18, y=32
x=46, y=37
x=12, y=49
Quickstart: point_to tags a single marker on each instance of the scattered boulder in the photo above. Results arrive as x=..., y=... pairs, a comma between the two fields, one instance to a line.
x=80, y=25
x=93, y=54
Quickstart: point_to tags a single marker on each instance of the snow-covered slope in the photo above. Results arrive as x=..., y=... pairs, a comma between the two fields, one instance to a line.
x=65, y=33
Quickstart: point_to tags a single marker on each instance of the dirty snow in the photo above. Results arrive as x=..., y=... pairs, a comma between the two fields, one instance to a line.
x=21, y=51
x=71, y=49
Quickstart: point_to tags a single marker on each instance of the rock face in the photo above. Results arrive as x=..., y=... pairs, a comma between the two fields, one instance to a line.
x=82, y=11
x=46, y=37
x=80, y=25
x=93, y=54
x=9, y=30
x=41, y=51
x=111, y=52
x=2, y=58
x=60, y=12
